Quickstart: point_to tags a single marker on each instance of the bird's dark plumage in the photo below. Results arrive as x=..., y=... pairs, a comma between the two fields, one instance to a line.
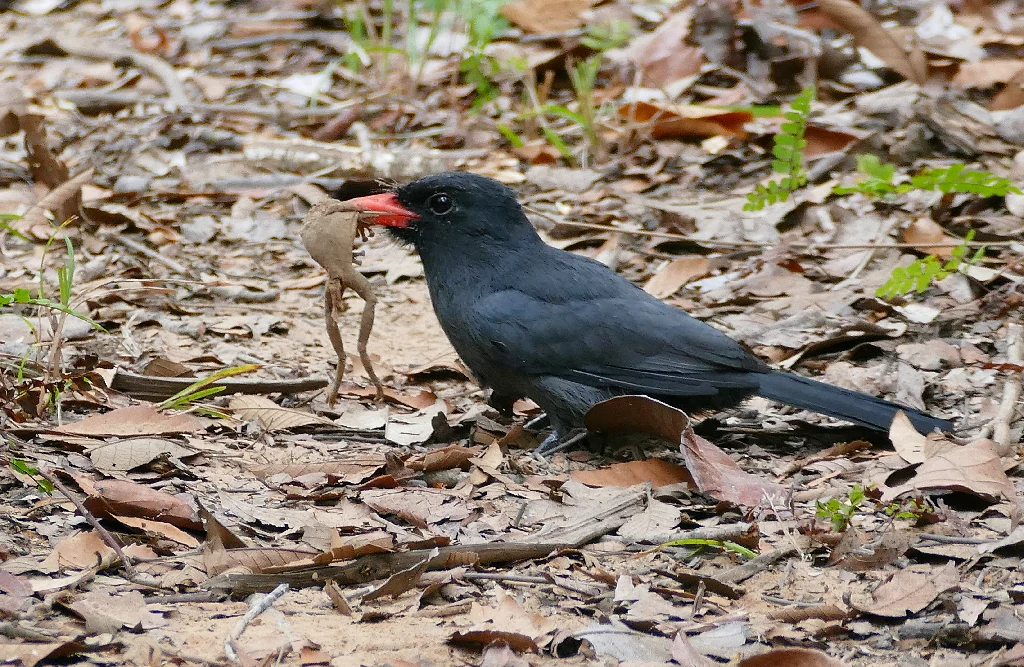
x=532, y=320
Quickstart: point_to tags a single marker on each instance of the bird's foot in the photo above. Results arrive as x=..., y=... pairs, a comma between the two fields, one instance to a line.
x=553, y=443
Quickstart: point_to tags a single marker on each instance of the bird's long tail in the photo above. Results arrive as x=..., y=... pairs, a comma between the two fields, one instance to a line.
x=853, y=406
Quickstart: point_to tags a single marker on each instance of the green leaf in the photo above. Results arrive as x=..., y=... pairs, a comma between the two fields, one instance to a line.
x=198, y=389
x=510, y=135
x=559, y=145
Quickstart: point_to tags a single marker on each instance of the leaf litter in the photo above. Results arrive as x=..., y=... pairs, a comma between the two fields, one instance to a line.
x=185, y=180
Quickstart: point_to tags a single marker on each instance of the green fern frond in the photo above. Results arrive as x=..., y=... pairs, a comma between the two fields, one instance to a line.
x=788, y=151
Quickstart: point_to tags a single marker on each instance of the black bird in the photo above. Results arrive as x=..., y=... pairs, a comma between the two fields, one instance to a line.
x=568, y=332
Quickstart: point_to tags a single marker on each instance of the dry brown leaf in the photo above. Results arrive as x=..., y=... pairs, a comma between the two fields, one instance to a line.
x=988, y=72
x=123, y=455
x=272, y=416
x=417, y=506
x=480, y=639
x=30, y=654
x=906, y=440
x=253, y=560
x=110, y=497
x=104, y=612
x=867, y=32
x=974, y=468
x=161, y=528
x=655, y=471
x=451, y=456
x=352, y=470
x=791, y=657
x=677, y=273
x=1010, y=97
x=664, y=57
x=80, y=551
x=672, y=121
x=542, y=16
x=821, y=140
x=908, y=591
x=713, y=471
x=928, y=237
x=508, y=615
x=136, y=420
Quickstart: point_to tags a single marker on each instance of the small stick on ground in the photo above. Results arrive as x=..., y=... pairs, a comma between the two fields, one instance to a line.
x=1012, y=388
x=328, y=232
x=104, y=534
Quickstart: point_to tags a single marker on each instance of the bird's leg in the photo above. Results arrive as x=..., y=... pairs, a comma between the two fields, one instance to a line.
x=553, y=443
x=538, y=422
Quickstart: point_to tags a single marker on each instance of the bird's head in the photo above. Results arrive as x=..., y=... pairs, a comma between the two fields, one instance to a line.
x=446, y=208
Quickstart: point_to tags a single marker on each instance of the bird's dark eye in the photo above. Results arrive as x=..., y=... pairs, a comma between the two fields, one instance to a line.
x=440, y=204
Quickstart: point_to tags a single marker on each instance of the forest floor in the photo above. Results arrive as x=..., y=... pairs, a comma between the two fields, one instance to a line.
x=157, y=160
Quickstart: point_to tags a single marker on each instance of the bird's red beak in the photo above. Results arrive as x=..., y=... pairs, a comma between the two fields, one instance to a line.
x=388, y=211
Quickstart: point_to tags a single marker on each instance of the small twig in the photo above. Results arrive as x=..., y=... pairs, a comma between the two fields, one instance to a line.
x=93, y=521
x=753, y=566
x=148, y=252
x=330, y=38
x=95, y=50
x=754, y=244
x=1011, y=390
x=727, y=532
x=98, y=98
x=55, y=199
x=883, y=232
x=260, y=605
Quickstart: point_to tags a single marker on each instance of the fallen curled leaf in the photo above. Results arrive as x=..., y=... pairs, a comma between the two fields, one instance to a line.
x=1010, y=97
x=124, y=455
x=821, y=140
x=664, y=57
x=137, y=420
x=452, y=456
x=110, y=497
x=974, y=468
x=906, y=439
x=713, y=471
x=790, y=657
x=909, y=591
x=272, y=416
x=656, y=471
x=987, y=72
x=928, y=237
x=869, y=33
x=677, y=273
x=80, y=551
x=541, y=16
x=672, y=121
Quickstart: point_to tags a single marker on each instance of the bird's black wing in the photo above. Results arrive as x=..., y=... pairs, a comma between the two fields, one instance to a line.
x=632, y=341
